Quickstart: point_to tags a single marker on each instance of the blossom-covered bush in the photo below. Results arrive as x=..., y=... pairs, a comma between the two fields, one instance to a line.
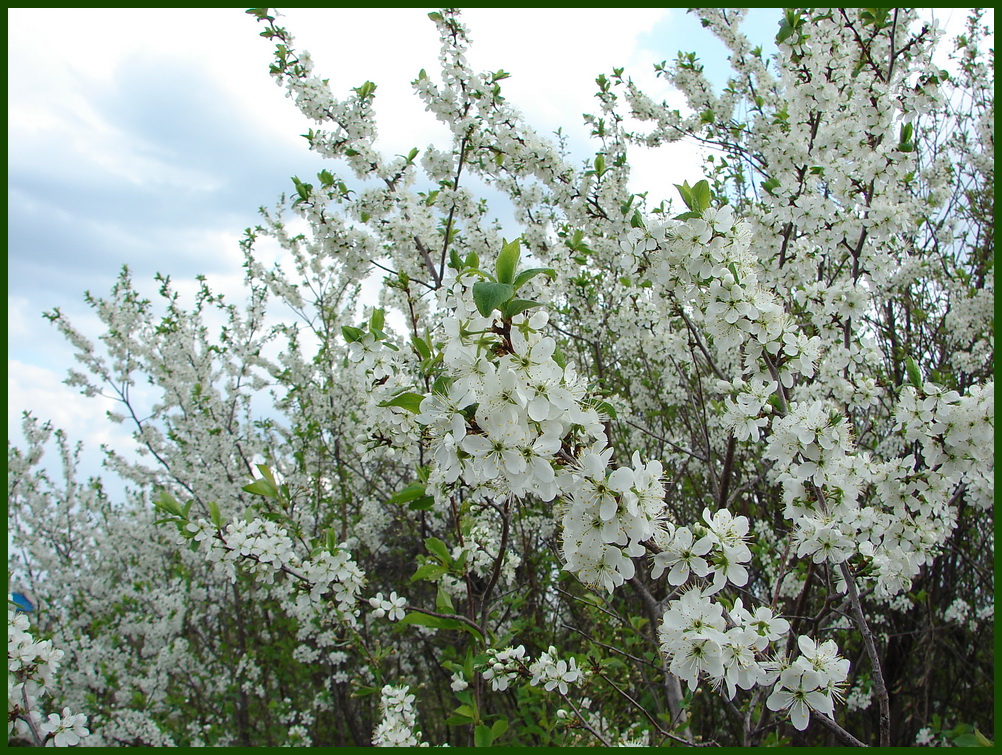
x=710, y=471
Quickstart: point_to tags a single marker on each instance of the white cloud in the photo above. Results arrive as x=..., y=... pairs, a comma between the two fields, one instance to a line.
x=42, y=392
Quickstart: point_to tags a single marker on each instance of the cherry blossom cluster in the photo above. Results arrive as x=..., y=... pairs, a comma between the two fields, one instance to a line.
x=31, y=667
x=264, y=549
x=391, y=607
x=524, y=403
x=549, y=670
x=814, y=681
x=554, y=673
x=503, y=666
x=513, y=421
x=398, y=722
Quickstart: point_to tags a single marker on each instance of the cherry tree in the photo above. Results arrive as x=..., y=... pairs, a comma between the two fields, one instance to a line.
x=709, y=467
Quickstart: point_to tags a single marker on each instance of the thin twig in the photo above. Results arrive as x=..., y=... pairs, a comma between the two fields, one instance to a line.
x=879, y=687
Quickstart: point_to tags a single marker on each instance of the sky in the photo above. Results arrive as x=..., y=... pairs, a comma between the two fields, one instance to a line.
x=150, y=137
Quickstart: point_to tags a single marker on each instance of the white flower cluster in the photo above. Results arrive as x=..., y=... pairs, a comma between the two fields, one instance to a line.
x=552, y=673
x=699, y=640
x=392, y=607
x=31, y=666
x=509, y=405
x=956, y=433
x=732, y=648
x=264, y=549
x=609, y=516
x=382, y=374
x=503, y=666
x=397, y=726
x=721, y=541
x=812, y=682
x=514, y=422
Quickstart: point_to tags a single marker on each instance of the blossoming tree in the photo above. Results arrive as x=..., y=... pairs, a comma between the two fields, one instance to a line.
x=711, y=470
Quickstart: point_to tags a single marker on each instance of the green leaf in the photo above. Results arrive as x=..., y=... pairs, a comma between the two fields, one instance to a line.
x=436, y=17
x=429, y=571
x=785, y=30
x=409, y=493
x=966, y=740
x=508, y=262
x=559, y=358
x=913, y=372
x=438, y=549
x=701, y=196
x=377, y=320
x=483, y=737
x=500, y=727
x=526, y=275
x=435, y=622
x=490, y=296
x=352, y=334
x=365, y=90
x=423, y=503
x=262, y=487
x=409, y=401
x=982, y=739
x=167, y=502
x=605, y=408
x=215, y=514
x=443, y=603
x=421, y=347
x=734, y=271
x=686, y=192
x=517, y=307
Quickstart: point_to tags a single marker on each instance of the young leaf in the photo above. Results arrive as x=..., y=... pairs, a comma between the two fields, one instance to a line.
x=352, y=334
x=421, y=347
x=424, y=620
x=409, y=401
x=430, y=571
x=263, y=488
x=483, y=737
x=508, y=262
x=215, y=514
x=526, y=275
x=490, y=296
x=411, y=492
x=423, y=503
x=686, y=192
x=913, y=372
x=500, y=727
x=167, y=502
x=701, y=196
x=443, y=603
x=517, y=307
x=438, y=549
